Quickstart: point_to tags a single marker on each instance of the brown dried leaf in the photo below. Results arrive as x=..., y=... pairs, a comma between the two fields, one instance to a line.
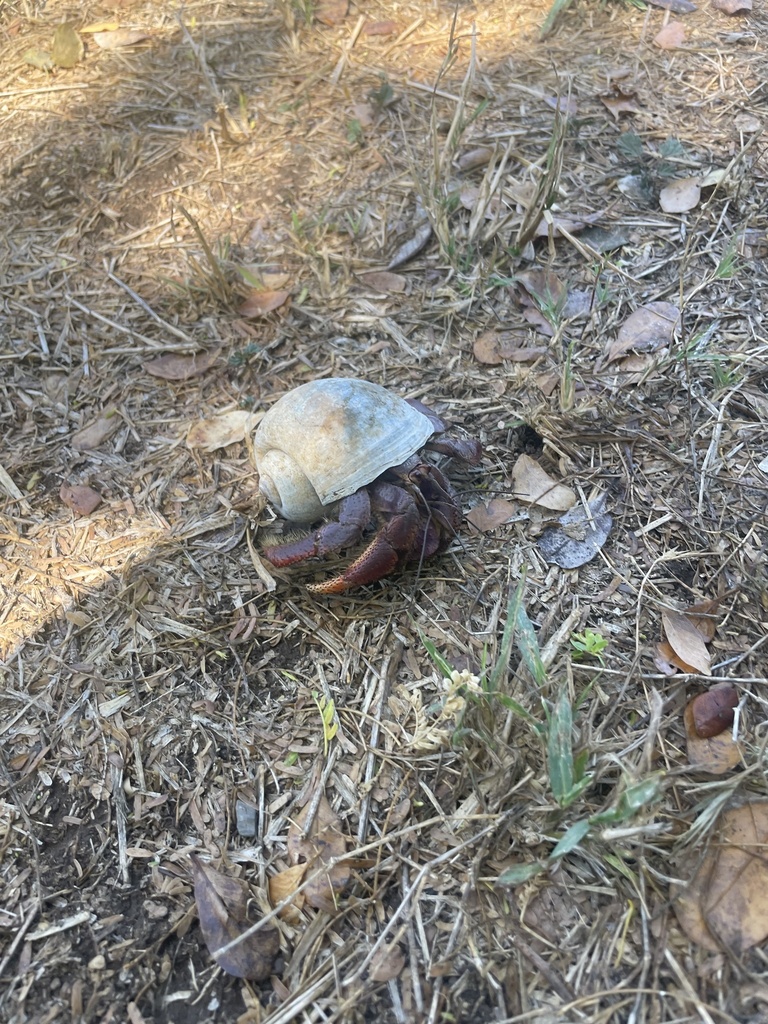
x=494, y=347
x=384, y=281
x=488, y=517
x=686, y=641
x=472, y=158
x=96, y=433
x=620, y=102
x=380, y=28
x=648, y=329
x=676, y=6
x=680, y=196
x=412, y=246
x=726, y=902
x=364, y=113
x=534, y=485
x=487, y=349
x=262, y=301
x=544, y=287
x=285, y=884
x=667, y=661
x=179, y=367
x=733, y=6
x=222, y=903
x=702, y=615
x=331, y=12
x=99, y=26
x=387, y=963
x=671, y=36
x=80, y=498
x=113, y=39
x=323, y=843
x=228, y=428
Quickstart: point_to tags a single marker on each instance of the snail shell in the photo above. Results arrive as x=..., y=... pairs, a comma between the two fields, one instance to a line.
x=326, y=439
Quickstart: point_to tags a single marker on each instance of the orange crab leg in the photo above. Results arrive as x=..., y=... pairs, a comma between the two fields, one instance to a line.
x=379, y=559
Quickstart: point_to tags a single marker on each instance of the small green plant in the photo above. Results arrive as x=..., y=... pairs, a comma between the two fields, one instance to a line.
x=244, y=355
x=727, y=265
x=567, y=773
x=723, y=376
x=327, y=709
x=588, y=645
x=384, y=96
x=663, y=162
x=355, y=133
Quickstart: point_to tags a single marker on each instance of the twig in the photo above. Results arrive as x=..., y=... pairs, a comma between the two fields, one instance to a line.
x=345, y=50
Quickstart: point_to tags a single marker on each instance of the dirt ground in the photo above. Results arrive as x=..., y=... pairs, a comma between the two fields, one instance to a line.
x=558, y=241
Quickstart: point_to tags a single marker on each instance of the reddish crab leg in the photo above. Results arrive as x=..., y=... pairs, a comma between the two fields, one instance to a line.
x=354, y=514
x=378, y=559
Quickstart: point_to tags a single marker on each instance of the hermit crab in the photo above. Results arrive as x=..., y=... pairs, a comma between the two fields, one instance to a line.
x=351, y=449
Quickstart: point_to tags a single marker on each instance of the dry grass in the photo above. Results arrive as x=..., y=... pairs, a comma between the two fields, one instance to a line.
x=151, y=681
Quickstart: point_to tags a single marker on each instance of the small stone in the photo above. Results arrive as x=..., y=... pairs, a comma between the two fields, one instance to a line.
x=246, y=819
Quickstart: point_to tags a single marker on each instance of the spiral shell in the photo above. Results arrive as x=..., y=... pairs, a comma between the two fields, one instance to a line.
x=326, y=439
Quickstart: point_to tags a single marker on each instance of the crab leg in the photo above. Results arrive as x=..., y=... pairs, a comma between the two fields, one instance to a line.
x=393, y=544
x=378, y=559
x=354, y=514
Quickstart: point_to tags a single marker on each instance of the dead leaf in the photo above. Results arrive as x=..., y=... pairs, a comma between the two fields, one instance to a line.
x=544, y=287
x=40, y=59
x=220, y=431
x=565, y=104
x=703, y=615
x=663, y=659
x=114, y=39
x=222, y=903
x=534, y=485
x=99, y=26
x=364, y=114
x=67, y=49
x=671, y=37
x=473, y=158
x=494, y=347
x=96, y=433
x=733, y=6
x=676, y=6
x=412, y=246
x=262, y=301
x=726, y=902
x=686, y=641
x=284, y=884
x=620, y=102
x=558, y=224
x=579, y=536
x=80, y=498
x=179, y=367
x=648, y=329
x=387, y=963
x=331, y=12
x=380, y=28
x=322, y=844
x=665, y=656
x=384, y=281
x=488, y=517
x=680, y=196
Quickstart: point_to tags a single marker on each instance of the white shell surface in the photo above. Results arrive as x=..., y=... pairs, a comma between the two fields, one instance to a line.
x=324, y=440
